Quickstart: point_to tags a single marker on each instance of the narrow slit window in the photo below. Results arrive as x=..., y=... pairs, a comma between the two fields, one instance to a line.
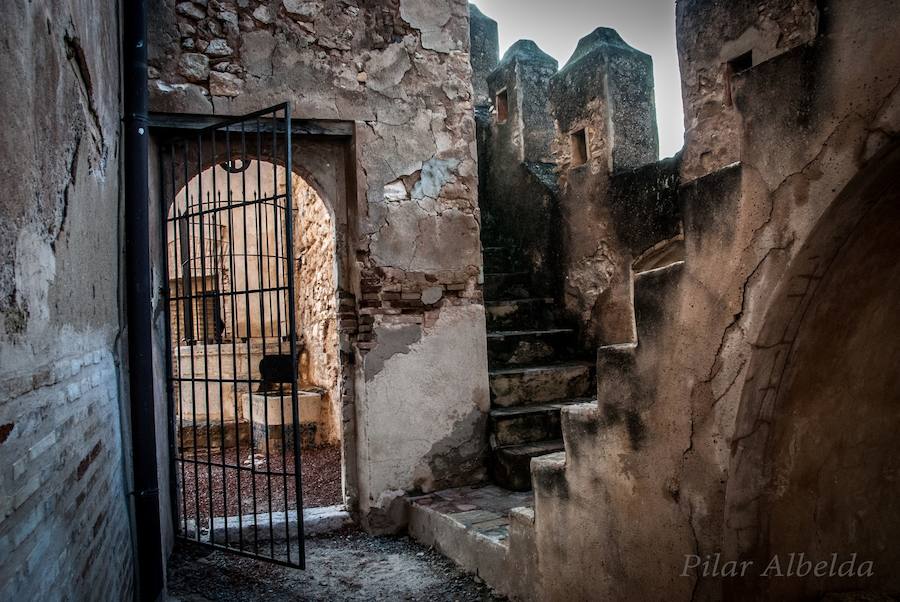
x=502, y=106
x=579, y=147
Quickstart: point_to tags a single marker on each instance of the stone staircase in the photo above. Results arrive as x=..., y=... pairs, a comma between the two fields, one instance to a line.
x=535, y=367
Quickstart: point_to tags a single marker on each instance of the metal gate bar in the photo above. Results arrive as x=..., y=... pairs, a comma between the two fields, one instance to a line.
x=228, y=200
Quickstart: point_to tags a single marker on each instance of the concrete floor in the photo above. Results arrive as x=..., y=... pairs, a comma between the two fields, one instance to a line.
x=343, y=566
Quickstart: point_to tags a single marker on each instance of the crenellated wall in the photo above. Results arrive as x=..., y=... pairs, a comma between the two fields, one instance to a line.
x=601, y=99
x=517, y=189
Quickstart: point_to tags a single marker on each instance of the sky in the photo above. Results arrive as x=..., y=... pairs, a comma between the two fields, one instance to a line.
x=648, y=25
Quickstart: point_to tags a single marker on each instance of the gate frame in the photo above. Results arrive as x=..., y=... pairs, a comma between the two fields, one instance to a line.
x=340, y=137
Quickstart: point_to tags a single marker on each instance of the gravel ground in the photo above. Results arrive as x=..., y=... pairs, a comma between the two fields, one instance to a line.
x=320, y=478
x=344, y=566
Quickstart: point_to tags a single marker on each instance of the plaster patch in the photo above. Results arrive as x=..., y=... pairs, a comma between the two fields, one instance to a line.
x=385, y=70
x=430, y=18
x=414, y=402
x=35, y=270
x=434, y=175
x=392, y=340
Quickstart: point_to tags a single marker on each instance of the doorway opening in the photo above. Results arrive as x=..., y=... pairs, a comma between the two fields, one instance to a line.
x=252, y=271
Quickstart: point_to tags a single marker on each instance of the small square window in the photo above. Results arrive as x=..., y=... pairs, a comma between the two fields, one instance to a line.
x=502, y=105
x=579, y=147
x=736, y=65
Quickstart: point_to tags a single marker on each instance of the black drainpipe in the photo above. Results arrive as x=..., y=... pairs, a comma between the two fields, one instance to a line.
x=149, y=569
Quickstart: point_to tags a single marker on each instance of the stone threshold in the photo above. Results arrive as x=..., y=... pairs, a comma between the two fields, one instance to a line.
x=316, y=521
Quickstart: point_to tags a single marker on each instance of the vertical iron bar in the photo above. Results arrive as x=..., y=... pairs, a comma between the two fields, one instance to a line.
x=201, y=203
x=292, y=333
x=188, y=204
x=247, y=325
x=217, y=334
x=262, y=323
x=276, y=229
x=234, y=367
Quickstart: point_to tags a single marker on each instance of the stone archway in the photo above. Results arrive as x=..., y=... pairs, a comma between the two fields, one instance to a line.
x=324, y=161
x=815, y=465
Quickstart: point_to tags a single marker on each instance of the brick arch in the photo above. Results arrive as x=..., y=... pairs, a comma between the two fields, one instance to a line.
x=804, y=334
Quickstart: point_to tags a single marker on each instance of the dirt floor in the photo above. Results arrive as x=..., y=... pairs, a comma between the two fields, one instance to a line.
x=259, y=480
x=344, y=566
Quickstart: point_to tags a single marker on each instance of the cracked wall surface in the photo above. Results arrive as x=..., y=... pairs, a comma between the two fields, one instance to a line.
x=64, y=523
x=716, y=430
x=400, y=71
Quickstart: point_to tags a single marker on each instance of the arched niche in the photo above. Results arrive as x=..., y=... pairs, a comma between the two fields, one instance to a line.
x=815, y=466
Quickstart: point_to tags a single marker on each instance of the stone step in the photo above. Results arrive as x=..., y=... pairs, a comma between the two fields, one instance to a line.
x=502, y=259
x=506, y=285
x=534, y=312
x=484, y=529
x=521, y=347
x=511, y=466
x=534, y=385
x=528, y=424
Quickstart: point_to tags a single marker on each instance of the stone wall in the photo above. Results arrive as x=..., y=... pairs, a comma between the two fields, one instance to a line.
x=409, y=254
x=516, y=192
x=317, y=317
x=64, y=524
x=747, y=34
x=604, y=94
x=705, y=439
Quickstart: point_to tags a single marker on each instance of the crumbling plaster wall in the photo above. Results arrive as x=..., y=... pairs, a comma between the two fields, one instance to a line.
x=64, y=524
x=399, y=69
x=765, y=29
x=808, y=122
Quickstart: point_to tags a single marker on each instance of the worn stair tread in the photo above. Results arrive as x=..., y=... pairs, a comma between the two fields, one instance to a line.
x=533, y=450
x=499, y=334
x=541, y=368
x=554, y=406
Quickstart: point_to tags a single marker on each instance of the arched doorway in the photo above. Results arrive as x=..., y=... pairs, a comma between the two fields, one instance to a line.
x=815, y=474
x=254, y=265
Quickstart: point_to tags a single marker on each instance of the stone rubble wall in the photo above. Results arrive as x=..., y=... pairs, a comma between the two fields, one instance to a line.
x=317, y=318
x=64, y=518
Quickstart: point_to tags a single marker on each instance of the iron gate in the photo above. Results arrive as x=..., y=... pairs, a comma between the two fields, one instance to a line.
x=234, y=415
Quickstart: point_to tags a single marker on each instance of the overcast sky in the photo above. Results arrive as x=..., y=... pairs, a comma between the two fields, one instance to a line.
x=557, y=25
